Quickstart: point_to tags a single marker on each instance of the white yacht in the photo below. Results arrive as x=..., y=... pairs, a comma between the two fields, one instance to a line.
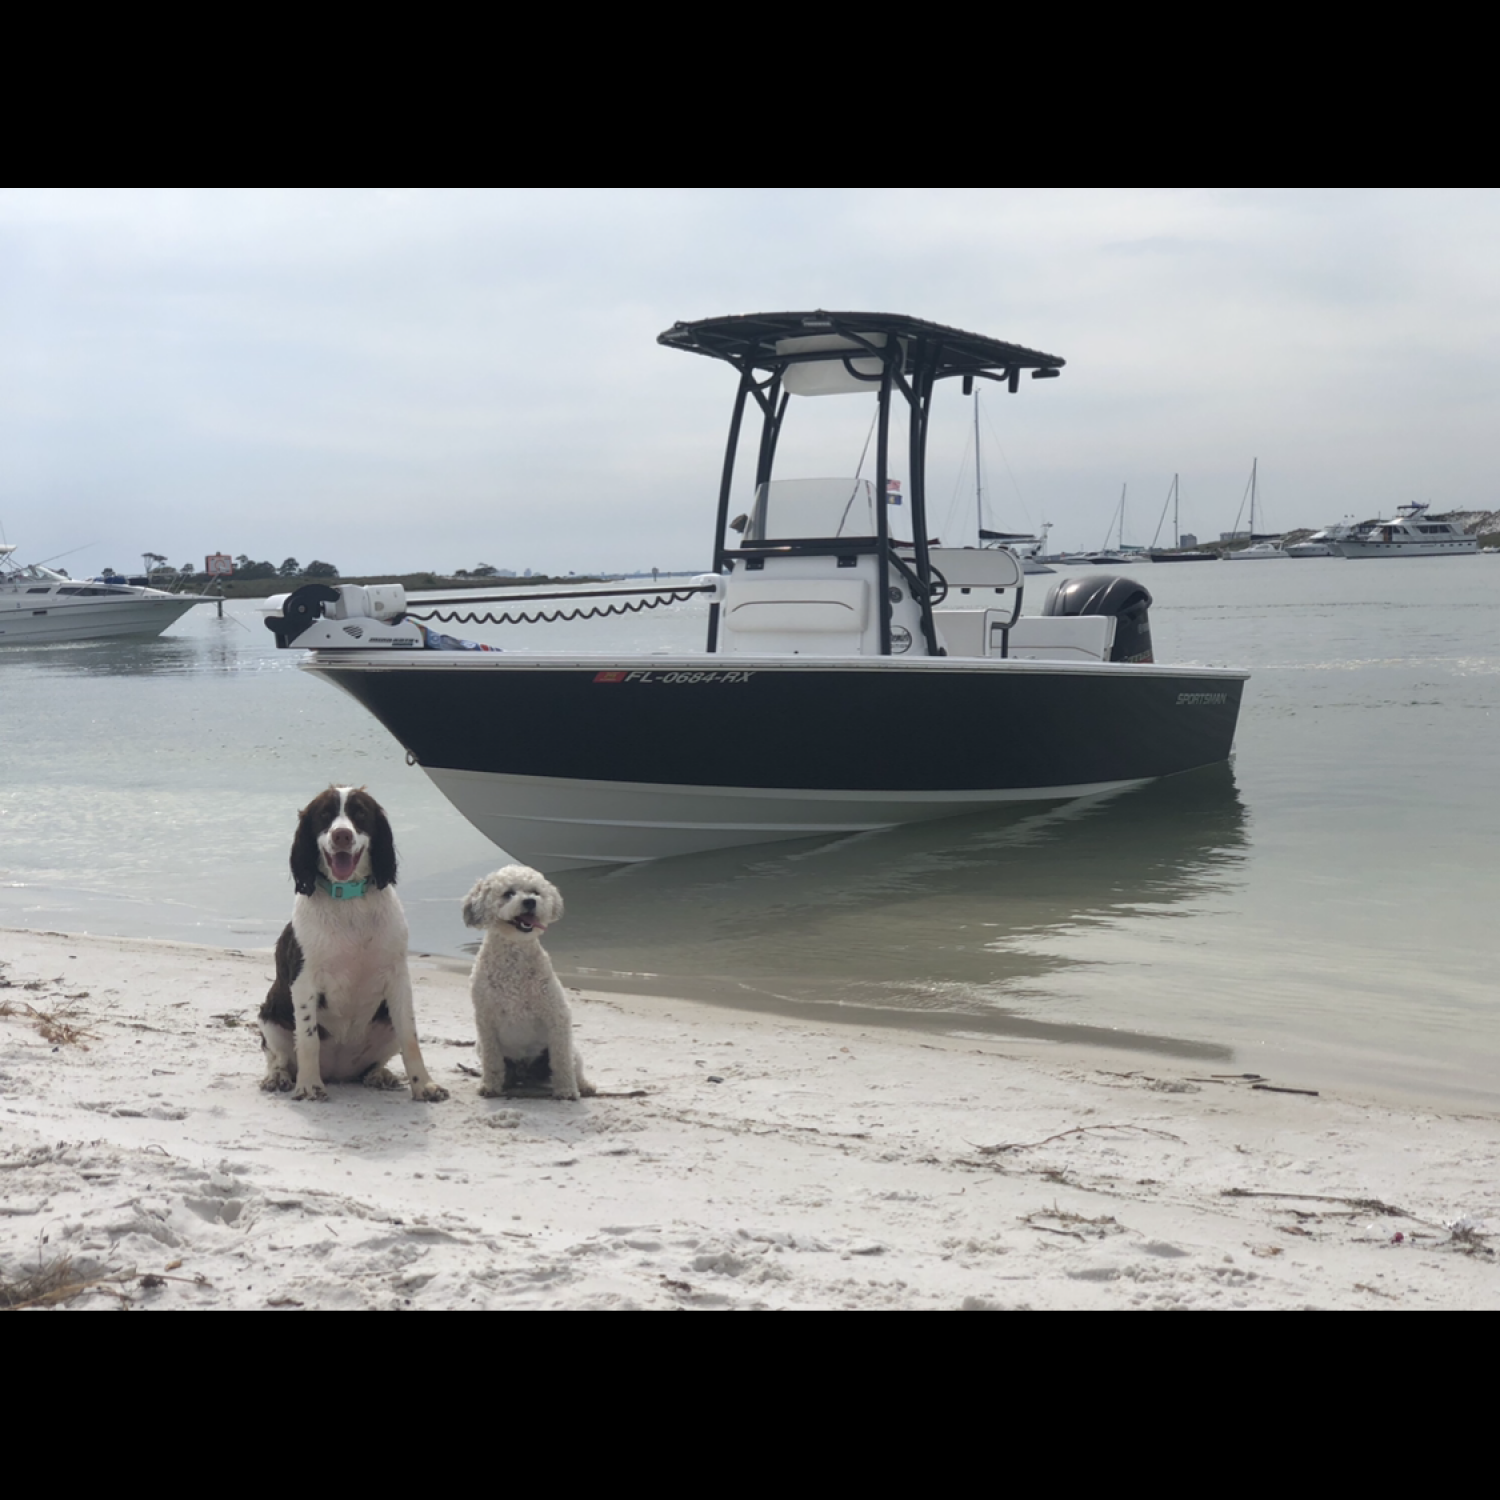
x=1325, y=543
x=1412, y=534
x=39, y=606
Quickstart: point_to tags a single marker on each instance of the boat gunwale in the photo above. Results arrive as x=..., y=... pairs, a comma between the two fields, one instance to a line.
x=385, y=659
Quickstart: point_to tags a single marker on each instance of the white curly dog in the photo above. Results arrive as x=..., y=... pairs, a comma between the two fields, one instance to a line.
x=520, y=1011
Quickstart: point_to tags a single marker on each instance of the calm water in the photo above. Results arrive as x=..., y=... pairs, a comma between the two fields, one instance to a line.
x=1323, y=912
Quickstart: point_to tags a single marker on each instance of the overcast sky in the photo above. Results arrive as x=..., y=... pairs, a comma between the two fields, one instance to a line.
x=401, y=378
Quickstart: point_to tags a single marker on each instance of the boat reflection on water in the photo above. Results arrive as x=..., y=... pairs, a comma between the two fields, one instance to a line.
x=943, y=926
x=216, y=646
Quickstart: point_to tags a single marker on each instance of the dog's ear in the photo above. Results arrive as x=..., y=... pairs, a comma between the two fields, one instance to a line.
x=474, y=906
x=304, y=859
x=383, y=851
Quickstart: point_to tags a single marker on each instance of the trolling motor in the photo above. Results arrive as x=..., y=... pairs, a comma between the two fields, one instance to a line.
x=319, y=616
x=1125, y=600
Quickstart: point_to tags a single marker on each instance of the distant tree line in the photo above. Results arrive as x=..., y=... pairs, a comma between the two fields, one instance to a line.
x=248, y=571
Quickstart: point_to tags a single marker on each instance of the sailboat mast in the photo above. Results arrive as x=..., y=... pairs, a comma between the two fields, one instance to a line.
x=1176, y=517
x=1254, y=466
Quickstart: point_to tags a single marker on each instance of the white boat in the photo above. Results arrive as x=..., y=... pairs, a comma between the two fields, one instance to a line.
x=1324, y=543
x=39, y=606
x=848, y=681
x=1261, y=548
x=1412, y=534
x=1122, y=551
x=1027, y=548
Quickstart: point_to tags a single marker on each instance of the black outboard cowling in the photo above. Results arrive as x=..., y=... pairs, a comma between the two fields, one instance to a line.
x=1105, y=594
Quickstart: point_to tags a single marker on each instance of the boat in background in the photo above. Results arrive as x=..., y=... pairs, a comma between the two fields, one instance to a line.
x=1325, y=543
x=1179, y=553
x=1412, y=534
x=1261, y=548
x=1027, y=548
x=1256, y=552
x=1121, y=552
x=39, y=607
x=850, y=680
x=1025, y=545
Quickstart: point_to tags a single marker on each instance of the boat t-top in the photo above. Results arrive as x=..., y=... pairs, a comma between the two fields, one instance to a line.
x=849, y=679
x=39, y=606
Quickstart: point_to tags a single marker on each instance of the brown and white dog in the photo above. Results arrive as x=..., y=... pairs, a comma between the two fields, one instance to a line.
x=341, y=1005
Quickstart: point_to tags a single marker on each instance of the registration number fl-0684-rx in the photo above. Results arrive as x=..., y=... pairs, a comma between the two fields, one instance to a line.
x=674, y=679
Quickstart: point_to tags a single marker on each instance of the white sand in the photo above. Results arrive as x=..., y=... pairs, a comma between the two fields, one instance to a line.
x=771, y=1164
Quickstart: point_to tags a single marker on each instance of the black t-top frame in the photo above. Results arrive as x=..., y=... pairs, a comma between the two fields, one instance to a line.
x=913, y=354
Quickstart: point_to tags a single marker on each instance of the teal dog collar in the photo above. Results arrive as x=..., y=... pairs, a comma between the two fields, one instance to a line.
x=343, y=890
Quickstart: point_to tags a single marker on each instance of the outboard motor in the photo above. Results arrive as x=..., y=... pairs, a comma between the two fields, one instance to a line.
x=1105, y=594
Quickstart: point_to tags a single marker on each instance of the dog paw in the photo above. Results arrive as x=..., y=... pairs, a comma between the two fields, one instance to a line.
x=587, y=1090
x=278, y=1083
x=314, y=1092
x=428, y=1093
x=491, y=1091
x=381, y=1078
x=564, y=1094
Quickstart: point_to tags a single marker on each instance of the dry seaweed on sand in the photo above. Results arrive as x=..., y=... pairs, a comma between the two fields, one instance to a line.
x=51, y=1282
x=1064, y=1134
x=56, y=1281
x=62, y=1027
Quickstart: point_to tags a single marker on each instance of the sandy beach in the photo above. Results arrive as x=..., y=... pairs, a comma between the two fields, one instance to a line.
x=733, y=1161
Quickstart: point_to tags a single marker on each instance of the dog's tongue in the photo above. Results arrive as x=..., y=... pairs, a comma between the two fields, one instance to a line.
x=343, y=864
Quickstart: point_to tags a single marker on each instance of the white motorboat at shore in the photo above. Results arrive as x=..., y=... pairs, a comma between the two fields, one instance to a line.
x=1412, y=534
x=849, y=680
x=39, y=606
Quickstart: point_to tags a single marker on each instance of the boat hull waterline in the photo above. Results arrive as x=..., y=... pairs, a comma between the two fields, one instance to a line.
x=567, y=762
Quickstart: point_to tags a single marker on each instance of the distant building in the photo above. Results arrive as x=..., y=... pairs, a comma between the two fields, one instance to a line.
x=1186, y=540
x=1234, y=536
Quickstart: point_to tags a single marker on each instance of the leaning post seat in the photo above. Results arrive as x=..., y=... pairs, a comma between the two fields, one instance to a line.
x=983, y=599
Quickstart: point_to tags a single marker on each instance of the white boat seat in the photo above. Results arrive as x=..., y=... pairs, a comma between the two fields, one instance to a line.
x=970, y=632
x=1061, y=638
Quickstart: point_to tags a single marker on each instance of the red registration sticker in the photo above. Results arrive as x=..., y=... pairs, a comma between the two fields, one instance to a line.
x=609, y=676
